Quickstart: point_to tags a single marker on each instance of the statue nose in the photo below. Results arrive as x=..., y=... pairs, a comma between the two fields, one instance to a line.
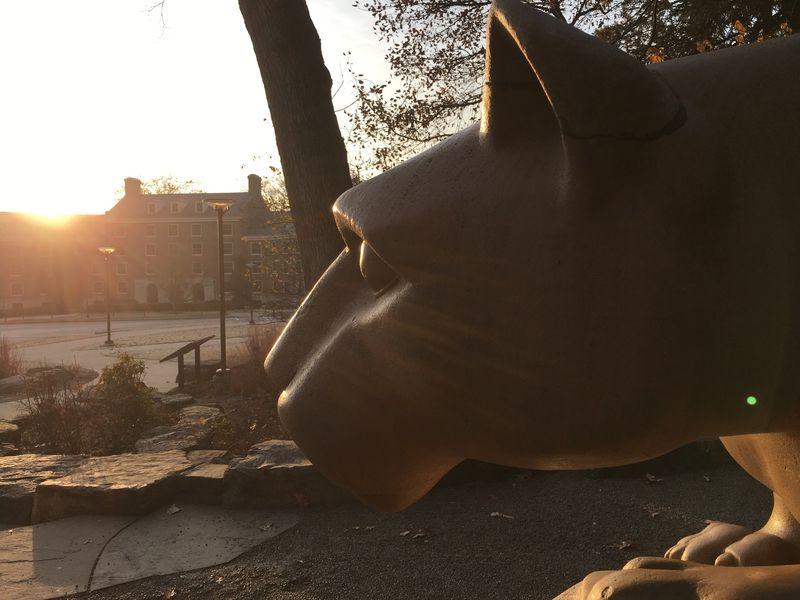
x=313, y=320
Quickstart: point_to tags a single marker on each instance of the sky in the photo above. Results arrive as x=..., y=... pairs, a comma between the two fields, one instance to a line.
x=93, y=91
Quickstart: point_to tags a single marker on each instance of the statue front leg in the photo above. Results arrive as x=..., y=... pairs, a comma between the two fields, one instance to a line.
x=669, y=579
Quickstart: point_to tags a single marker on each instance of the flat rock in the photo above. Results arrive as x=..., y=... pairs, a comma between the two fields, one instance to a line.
x=199, y=457
x=195, y=426
x=175, y=400
x=19, y=476
x=13, y=411
x=277, y=473
x=7, y=449
x=53, y=559
x=11, y=385
x=164, y=438
x=192, y=538
x=203, y=483
x=121, y=484
x=9, y=432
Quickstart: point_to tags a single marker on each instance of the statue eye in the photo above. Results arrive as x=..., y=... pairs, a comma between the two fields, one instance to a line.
x=377, y=273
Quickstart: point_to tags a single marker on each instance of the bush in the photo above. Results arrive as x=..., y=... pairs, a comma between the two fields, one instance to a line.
x=63, y=417
x=248, y=377
x=9, y=358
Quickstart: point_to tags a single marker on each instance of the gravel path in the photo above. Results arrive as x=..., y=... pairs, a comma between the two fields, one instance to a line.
x=552, y=528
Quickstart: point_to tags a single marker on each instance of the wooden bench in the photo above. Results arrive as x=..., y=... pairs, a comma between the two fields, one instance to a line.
x=195, y=345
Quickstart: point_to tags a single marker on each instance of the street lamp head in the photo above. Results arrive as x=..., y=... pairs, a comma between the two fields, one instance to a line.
x=106, y=250
x=221, y=206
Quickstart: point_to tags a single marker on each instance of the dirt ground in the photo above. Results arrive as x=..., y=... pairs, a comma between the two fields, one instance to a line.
x=547, y=532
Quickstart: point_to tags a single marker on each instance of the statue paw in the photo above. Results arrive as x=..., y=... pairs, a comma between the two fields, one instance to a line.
x=705, y=546
x=727, y=545
x=641, y=579
x=670, y=579
x=757, y=549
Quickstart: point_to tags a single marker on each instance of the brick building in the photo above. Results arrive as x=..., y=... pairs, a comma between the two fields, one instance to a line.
x=166, y=255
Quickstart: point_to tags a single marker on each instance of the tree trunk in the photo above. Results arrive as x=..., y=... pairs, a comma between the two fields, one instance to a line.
x=312, y=152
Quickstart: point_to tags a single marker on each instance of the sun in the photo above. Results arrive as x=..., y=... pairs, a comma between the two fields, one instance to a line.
x=49, y=218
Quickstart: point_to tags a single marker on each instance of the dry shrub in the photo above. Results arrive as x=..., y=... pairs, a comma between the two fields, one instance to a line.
x=10, y=358
x=247, y=378
x=252, y=411
x=63, y=417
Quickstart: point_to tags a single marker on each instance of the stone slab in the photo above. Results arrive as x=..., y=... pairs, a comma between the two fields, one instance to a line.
x=276, y=473
x=12, y=411
x=19, y=476
x=194, y=427
x=175, y=400
x=199, y=457
x=120, y=484
x=192, y=538
x=164, y=438
x=53, y=559
x=9, y=432
x=8, y=449
x=203, y=483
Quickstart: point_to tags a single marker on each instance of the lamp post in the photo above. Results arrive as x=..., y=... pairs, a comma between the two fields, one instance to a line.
x=221, y=207
x=107, y=251
x=250, y=266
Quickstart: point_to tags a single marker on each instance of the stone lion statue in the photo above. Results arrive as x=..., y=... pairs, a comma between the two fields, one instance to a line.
x=603, y=269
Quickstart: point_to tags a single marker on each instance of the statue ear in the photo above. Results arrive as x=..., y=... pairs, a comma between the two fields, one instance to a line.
x=543, y=75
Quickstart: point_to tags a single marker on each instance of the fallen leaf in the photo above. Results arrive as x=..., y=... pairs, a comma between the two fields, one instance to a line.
x=706, y=478
x=169, y=594
x=500, y=515
x=417, y=535
x=404, y=533
x=172, y=510
x=652, y=478
x=625, y=545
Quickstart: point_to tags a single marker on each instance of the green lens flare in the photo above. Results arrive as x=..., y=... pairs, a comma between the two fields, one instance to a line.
x=752, y=400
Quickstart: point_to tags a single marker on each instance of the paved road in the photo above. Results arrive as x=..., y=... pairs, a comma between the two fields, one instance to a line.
x=564, y=525
x=150, y=339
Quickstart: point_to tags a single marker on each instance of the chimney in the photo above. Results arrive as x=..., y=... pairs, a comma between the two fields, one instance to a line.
x=254, y=185
x=133, y=186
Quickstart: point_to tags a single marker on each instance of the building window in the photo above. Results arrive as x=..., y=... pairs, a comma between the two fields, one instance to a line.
x=17, y=289
x=255, y=248
x=255, y=267
x=151, y=208
x=119, y=230
x=98, y=287
x=174, y=208
x=197, y=229
x=227, y=248
x=122, y=287
x=120, y=251
x=198, y=206
x=197, y=249
x=149, y=249
x=227, y=229
x=149, y=269
x=122, y=268
x=173, y=249
x=173, y=230
x=228, y=268
x=150, y=231
x=197, y=268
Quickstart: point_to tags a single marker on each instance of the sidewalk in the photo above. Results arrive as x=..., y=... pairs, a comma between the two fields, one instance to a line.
x=94, y=552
